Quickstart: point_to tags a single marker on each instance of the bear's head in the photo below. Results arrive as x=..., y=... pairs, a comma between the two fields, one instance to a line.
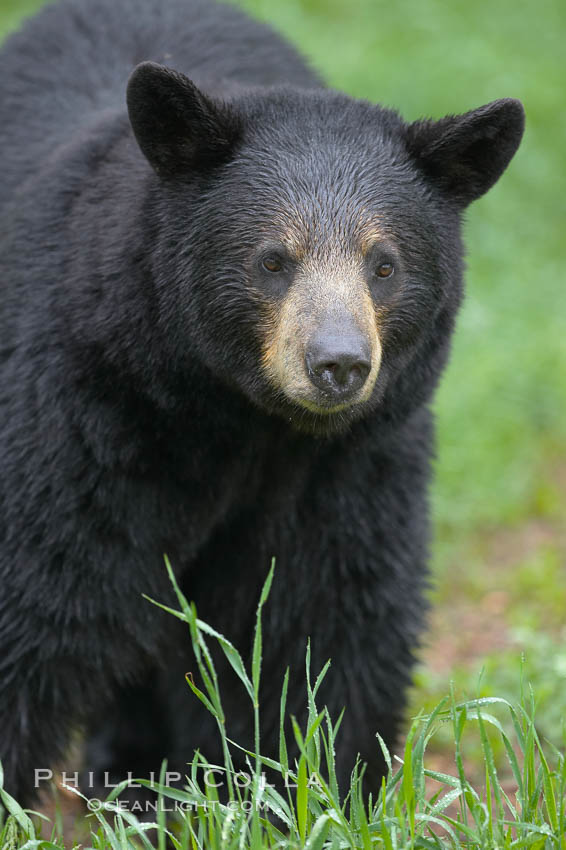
x=310, y=243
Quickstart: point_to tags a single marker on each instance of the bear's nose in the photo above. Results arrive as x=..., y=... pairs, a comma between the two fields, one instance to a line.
x=338, y=365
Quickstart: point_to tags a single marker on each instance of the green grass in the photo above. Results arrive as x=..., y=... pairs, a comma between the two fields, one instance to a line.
x=416, y=807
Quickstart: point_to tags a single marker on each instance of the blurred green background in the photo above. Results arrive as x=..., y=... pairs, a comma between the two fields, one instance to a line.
x=500, y=492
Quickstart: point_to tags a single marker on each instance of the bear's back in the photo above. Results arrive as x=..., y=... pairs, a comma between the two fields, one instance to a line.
x=73, y=61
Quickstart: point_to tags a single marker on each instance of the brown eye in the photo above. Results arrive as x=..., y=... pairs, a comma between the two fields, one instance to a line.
x=271, y=264
x=385, y=270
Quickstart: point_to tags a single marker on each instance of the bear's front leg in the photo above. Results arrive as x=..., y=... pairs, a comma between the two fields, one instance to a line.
x=58, y=674
x=40, y=705
x=351, y=575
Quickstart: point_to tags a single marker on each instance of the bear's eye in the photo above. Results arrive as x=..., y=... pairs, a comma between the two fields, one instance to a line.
x=384, y=270
x=272, y=264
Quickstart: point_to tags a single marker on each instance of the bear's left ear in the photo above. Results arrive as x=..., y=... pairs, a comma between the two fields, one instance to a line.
x=466, y=154
x=178, y=127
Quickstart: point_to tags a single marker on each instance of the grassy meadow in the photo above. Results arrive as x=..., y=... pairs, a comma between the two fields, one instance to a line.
x=499, y=498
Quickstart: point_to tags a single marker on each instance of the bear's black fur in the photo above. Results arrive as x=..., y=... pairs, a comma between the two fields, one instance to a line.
x=222, y=319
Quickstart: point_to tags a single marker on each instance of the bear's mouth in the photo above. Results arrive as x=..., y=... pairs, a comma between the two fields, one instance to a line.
x=319, y=420
x=325, y=407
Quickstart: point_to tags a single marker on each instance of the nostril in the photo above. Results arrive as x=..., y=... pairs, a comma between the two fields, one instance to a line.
x=348, y=373
x=322, y=368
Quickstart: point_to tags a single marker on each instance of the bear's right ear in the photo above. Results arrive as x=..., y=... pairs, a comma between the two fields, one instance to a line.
x=466, y=154
x=177, y=127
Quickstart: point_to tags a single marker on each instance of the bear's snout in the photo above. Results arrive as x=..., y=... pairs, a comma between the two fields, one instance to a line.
x=338, y=363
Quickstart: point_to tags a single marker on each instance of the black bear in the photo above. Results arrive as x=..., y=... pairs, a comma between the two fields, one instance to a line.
x=227, y=298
